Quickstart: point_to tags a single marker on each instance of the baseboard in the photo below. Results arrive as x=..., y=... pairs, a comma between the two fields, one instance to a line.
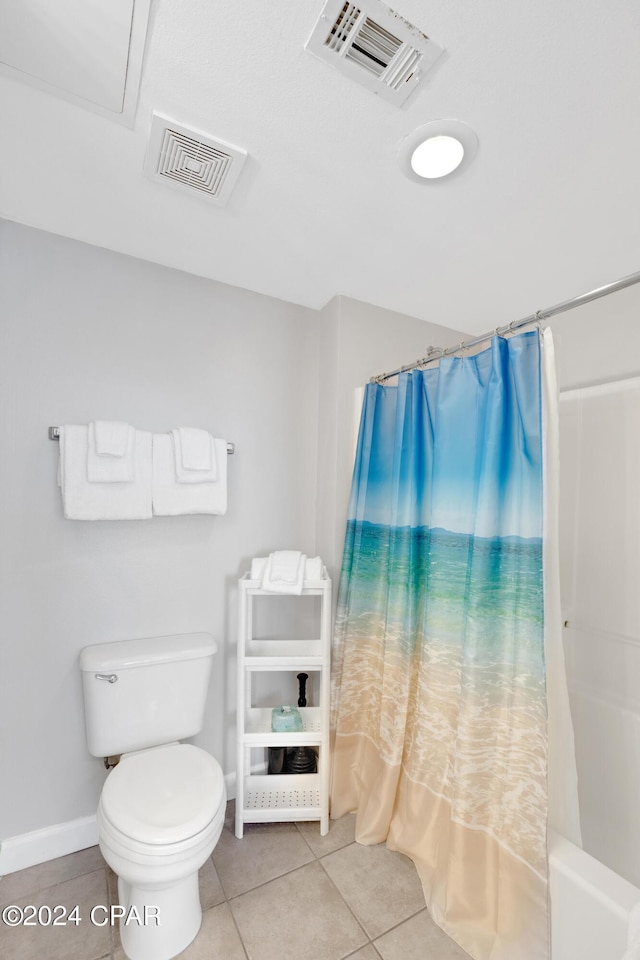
x=28, y=849
x=18, y=853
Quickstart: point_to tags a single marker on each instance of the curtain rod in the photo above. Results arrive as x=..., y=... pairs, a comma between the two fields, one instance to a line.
x=433, y=353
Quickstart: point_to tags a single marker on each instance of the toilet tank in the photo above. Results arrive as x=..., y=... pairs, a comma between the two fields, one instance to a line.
x=158, y=694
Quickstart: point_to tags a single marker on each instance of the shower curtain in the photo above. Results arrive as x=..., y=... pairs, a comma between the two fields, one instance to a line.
x=439, y=706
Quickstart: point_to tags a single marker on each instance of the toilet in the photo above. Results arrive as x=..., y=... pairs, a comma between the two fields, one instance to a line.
x=162, y=808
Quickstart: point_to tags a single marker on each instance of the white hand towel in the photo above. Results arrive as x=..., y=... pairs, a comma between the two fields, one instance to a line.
x=110, y=468
x=284, y=572
x=112, y=437
x=85, y=500
x=285, y=565
x=193, y=446
x=313, y=568
x=257, y=568
x=171, y=497
x=196, y=448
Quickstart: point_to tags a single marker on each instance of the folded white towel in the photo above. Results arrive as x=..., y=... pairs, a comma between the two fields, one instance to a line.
x=193, y=446
x=171, y=497
x=85, y=500
x=284, y=572
x=110, y=468
x=196, y=448
x=285, y=566
x=112, y=437
x=312, y=569
x=257, y=568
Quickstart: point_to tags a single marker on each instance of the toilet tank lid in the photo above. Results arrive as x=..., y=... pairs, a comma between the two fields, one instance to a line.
x=136, y=653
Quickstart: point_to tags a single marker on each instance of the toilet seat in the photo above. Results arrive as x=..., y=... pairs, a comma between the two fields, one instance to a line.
x=163, y=796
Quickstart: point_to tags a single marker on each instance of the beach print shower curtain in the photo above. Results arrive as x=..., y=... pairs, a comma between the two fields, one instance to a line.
x=439, y=703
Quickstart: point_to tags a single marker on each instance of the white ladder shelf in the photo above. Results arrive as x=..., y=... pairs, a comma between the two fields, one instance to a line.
x=282, y=797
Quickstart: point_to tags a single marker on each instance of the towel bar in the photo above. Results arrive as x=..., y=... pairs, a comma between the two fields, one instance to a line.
x=54, y=434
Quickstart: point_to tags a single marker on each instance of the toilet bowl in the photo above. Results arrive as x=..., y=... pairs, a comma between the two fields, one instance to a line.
x=159, y=818
x=162, y=807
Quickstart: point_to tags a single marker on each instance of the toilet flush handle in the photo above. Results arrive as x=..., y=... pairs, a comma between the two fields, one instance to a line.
x=109, y=677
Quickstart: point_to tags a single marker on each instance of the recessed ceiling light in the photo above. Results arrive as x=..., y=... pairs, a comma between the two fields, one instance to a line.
x=438, y=149
x=437, y=157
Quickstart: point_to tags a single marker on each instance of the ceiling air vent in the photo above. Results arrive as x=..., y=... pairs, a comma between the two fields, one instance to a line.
x=192, y=160
x=375, y=46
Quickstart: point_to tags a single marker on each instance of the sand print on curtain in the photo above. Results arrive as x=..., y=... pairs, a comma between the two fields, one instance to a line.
x=439, y=704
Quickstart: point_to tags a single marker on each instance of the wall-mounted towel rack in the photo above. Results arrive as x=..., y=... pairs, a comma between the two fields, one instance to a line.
x=54, y=434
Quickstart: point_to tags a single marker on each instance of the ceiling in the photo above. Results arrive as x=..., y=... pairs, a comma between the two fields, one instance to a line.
x=548, y=209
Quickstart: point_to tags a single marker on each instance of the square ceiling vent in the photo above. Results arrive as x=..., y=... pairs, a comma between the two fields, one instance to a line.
x=375, y=46
x=192, y=161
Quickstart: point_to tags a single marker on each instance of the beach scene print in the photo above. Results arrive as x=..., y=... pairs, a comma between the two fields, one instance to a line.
x=440, y=624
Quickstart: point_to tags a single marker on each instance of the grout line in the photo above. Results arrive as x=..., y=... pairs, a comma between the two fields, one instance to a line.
x=406, y=920
x=271, y=880
x=347, y=905
x=340, y=895
x=424, y=909
x=301, y=834
x=324, y=853
x=360, y=923
x=240, y=937
x=355, y=952
x=114, y=929
x=34, y=892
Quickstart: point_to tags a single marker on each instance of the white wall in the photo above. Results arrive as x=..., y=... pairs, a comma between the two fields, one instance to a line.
x=91, y=334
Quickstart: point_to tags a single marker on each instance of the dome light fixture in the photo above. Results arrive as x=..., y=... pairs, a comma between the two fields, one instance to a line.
x=440, y=148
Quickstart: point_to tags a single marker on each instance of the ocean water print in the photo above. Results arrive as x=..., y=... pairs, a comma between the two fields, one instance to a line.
x=450, y=584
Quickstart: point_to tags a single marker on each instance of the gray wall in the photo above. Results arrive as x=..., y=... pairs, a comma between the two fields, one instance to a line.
x=89, y=334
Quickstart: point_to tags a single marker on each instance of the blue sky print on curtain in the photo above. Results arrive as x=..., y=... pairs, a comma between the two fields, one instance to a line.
x=439, y=641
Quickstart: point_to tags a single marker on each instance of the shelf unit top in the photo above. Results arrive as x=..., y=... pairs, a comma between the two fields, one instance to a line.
x=308, y=586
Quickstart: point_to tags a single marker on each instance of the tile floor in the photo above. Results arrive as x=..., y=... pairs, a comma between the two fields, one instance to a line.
x=281, y=892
